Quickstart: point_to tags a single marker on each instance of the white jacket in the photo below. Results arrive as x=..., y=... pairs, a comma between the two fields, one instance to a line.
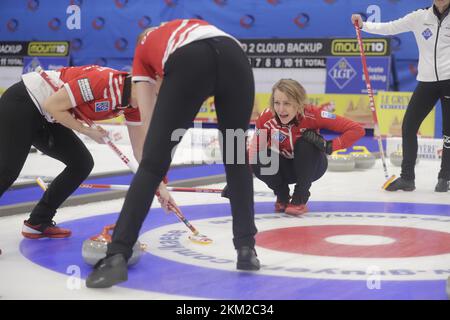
x=432, y=37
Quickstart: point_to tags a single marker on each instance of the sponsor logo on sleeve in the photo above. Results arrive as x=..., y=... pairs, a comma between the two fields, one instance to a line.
x=327, y=115
x=102, y=106
x=85, y=89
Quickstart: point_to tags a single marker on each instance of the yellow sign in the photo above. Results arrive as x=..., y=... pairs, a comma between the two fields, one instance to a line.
x=48, y=49
x=350, y=47
x=391, y=108
x=207, y=111
x=352, y=106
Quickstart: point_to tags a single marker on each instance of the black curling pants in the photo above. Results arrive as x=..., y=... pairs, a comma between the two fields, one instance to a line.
x=21, y=126
x=308, y=165
x=422, y=102
x=213, y=67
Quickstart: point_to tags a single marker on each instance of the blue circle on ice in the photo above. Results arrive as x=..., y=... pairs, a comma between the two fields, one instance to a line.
x=157, y=274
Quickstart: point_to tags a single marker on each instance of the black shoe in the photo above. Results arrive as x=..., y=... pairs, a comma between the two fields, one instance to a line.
x=401, y=184
x=108, y=272
x=442, y=185
x=247, y=259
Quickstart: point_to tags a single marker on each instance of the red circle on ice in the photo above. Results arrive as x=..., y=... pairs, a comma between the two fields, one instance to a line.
x=394, y=242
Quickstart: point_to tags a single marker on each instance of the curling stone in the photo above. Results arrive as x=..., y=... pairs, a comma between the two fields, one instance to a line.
x=95, y=247
x=363, y=158
x=341, y=162
x=396, y=158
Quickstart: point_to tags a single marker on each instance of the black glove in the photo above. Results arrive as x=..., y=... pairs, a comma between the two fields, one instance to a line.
x=316, y=139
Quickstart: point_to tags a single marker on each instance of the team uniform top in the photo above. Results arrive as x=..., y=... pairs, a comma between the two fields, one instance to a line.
x=286, y=135
x=95, y=91
x=432, y=37
x=159, y=43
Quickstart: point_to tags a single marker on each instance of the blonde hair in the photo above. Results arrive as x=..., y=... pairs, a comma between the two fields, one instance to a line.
x=293, y=90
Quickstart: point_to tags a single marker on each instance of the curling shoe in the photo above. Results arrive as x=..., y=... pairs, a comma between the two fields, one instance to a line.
x=442, y=185
x=44, y=230
x=247, y=259
x=108, y=271
x=280, y=206
x=401, y=184
x=296, y=209
x=281, y=203
x=298, y=206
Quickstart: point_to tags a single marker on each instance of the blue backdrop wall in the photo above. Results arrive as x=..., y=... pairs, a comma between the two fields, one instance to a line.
x=104, y=31
x=108, y=28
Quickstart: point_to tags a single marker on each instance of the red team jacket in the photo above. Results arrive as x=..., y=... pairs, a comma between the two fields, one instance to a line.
x=159, y=43
x=97, y=92
x=315, y=118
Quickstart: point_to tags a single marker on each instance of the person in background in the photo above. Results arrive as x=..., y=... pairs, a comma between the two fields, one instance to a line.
x=290, y=128
x=431, y=28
